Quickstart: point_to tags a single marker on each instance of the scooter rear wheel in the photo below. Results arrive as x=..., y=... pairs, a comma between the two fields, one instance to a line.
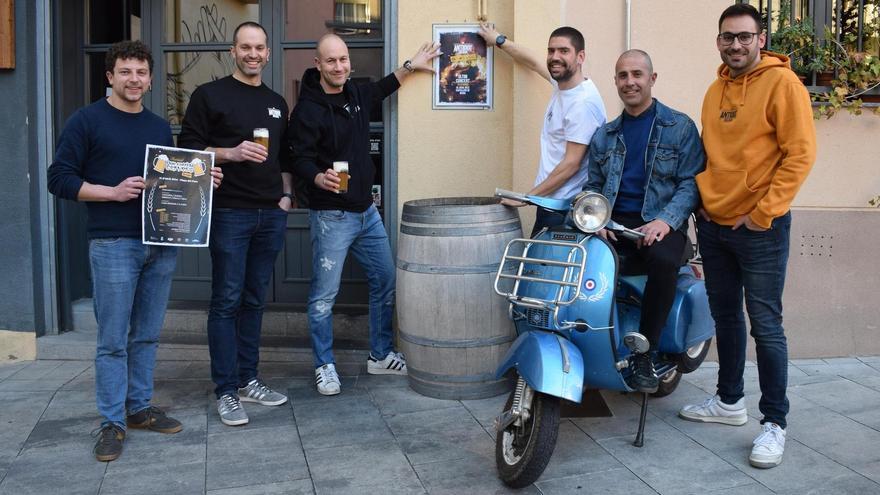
x=522, y=452
x=694, y=356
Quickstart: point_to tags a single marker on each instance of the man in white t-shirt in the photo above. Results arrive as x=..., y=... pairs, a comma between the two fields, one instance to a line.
x=574, y=113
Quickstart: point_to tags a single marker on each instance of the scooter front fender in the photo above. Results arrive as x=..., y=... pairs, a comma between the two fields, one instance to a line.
x=548, y=362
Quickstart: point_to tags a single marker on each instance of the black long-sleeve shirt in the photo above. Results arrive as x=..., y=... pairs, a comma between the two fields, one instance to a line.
x=222, y=114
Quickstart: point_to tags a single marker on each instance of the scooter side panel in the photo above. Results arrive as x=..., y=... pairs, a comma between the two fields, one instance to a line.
x=689, y=320
x=541, y=358
x=595, y=306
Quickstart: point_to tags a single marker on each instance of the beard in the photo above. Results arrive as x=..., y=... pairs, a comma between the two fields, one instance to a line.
x=245, y=69
x=566, y=74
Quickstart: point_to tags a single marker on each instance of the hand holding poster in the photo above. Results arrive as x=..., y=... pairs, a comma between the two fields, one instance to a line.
x=463, y=71
x=176, y=203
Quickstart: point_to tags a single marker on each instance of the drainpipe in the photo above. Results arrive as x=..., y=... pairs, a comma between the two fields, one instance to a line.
x=628, y=24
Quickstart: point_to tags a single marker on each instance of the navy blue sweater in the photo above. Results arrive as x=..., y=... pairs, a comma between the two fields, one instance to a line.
x=104, y=146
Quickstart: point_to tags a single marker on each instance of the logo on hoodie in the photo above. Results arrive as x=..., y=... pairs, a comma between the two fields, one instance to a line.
x=728, y=115
x=274, y=112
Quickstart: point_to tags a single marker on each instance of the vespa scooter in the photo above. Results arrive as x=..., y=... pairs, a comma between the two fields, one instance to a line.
x=577, y=322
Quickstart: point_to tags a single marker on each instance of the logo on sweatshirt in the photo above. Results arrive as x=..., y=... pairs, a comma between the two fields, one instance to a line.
x=274, y=112
x=728, y=115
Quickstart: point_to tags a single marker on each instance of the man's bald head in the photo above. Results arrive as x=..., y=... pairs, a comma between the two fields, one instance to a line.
x=331, y=60
x=327, y=42
x=636, y=53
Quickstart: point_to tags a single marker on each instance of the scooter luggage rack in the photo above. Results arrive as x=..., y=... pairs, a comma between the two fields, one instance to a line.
x=570, y=267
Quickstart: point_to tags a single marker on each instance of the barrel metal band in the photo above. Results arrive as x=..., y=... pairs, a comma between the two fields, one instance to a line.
x=423, y=375
x=467, y=218
x=451, y=270
x=456, y=344
x=511, y=226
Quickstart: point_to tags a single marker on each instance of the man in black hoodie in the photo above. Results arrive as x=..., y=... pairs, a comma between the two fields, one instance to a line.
x=331, y=123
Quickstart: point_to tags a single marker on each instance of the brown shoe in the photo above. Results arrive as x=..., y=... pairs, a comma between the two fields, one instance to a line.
x=155, y=419
x=109, y=444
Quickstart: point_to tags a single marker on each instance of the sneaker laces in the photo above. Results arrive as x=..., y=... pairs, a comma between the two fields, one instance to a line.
x=259, y=386
x=328, y=374
x=644, y=365
x=229, y=403
x=771, y=435
x=107, y=433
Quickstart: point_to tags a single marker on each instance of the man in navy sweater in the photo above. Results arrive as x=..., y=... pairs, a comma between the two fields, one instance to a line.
x=645, y=162
x=249, y=218
x=331, y=122
x=99, y=160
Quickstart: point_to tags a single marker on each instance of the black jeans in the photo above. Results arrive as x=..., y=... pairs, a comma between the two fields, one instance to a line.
x=661, y=261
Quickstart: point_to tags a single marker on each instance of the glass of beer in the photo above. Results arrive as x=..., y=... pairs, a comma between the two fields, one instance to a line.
x=341, y=168
x=261, y=136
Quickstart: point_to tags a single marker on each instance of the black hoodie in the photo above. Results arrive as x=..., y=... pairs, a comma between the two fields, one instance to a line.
x=325, y=128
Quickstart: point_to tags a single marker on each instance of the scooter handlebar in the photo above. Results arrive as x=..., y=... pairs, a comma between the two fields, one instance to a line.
x=633, y=235
x=504, y=193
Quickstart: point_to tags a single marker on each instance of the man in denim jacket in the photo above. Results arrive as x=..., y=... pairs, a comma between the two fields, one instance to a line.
x=644, y=162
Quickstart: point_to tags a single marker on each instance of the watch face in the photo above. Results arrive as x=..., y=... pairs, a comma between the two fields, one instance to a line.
x=500, y=39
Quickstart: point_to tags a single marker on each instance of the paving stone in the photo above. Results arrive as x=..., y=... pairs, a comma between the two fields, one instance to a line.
x=380, y=381
x=304, y=392
x=843, y=396
x=259, y=417
x=37, y=369
x=167, y=479
x=378, y=467
x=670, y=462
x=475, y=474
x=623, y=423
x=453, y=442
x=340, y=423
x=486, y=410
x=749, y=489
x=149, y=448
x=9, y=369
x=176, y=395
x=298, y=487
x=576, y=454
x=868, y=381
x=609, y=482
x=844, y=370
x=241, y=458
x=49, y=470
x=18, y=417
x=424, y=422
x=393, y=400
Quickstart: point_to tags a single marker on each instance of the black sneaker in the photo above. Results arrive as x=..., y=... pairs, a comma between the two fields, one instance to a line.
x=643, y=377
x=109, y=444
x=155, y=419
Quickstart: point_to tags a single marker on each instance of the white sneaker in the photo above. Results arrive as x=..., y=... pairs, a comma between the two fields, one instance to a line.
x=327, y=380
x=712, y=410
x=393, y=364
x=769, y=446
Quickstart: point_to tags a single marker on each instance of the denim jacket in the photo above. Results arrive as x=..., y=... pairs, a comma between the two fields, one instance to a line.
x=674, y=156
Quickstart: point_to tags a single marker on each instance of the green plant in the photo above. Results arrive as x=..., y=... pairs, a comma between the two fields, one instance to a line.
x=875, y=201
x=795, y=39
x=857, y=74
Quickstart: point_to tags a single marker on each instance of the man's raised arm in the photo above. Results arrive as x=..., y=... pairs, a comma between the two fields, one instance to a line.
x=519, y=53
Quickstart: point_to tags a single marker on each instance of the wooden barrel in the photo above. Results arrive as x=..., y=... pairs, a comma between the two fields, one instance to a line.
x=454, y=328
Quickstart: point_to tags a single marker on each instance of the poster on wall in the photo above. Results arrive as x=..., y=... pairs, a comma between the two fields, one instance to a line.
x=176, y=203
x=463, y=72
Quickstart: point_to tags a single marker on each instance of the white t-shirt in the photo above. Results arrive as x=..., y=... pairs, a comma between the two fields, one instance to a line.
x=572, y=115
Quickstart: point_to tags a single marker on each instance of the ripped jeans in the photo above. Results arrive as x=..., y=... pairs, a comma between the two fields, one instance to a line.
x=333, y=233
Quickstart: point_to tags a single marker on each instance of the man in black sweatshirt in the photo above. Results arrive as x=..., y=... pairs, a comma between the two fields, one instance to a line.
x=249, y=217
x=331, y=123
x=99, y=160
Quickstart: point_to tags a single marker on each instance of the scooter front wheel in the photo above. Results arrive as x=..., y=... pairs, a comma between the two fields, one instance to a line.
x=523, y=449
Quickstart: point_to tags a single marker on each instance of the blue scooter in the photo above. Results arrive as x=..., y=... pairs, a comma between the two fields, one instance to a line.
x=577, y=322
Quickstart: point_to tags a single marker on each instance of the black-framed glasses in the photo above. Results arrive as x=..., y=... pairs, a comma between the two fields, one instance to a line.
x=745, y=38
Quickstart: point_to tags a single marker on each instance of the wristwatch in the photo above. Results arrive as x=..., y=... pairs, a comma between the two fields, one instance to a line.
x=408, y=66
x=500, y=40
x=288, y=196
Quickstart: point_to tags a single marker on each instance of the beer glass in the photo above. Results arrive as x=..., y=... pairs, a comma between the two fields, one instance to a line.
x=261, y=136
x=341, y=168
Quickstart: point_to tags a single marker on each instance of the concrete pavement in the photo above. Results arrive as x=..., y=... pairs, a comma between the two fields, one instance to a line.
x=379, y=436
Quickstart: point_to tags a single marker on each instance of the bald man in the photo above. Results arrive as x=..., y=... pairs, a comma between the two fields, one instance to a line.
x=331, y=123
x=644, y=162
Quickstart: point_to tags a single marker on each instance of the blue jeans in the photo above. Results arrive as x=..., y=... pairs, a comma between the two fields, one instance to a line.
x=244, y=245
x=740, y=262
x=130, y=285
x=333, y=233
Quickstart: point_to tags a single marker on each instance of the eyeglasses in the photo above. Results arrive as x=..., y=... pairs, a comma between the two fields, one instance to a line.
x=745, y=38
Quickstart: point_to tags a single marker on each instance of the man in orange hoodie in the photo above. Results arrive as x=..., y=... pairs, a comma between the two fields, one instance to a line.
x=760, y=145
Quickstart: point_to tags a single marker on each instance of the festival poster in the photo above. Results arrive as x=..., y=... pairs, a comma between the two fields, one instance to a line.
x=176, y=203
x=463, y=72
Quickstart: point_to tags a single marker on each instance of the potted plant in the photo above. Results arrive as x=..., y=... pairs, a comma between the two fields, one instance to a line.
x=795, y=39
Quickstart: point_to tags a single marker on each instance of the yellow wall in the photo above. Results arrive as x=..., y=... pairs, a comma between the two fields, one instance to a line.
x=470, y=152
x=17, y=346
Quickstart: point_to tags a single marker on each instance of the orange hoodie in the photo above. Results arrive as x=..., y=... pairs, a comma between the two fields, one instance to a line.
x=760, y=142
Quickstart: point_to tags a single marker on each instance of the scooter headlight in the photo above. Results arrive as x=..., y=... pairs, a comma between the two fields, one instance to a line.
x=590, y=212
